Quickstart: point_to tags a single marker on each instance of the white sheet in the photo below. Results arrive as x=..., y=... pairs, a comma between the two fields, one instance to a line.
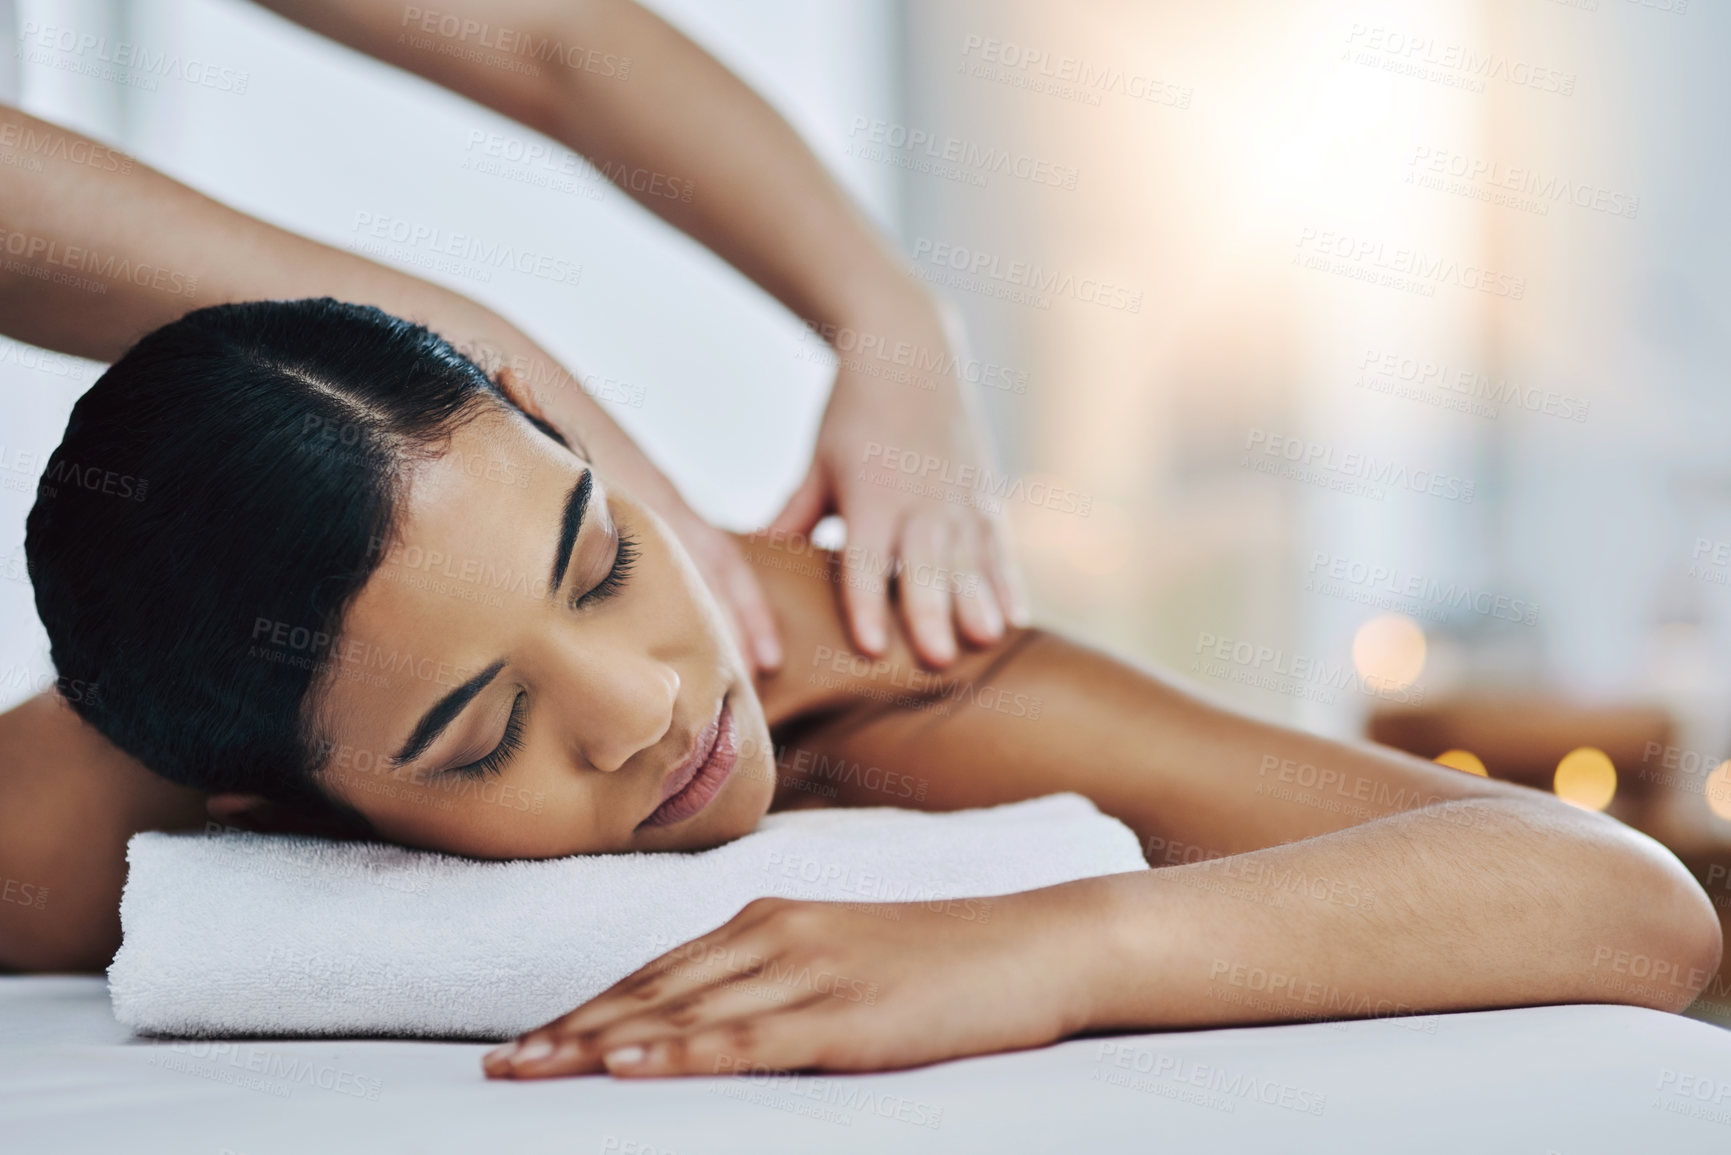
x=1572, y=1080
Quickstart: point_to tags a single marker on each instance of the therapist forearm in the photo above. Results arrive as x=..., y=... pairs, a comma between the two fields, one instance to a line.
x=97, y=250
x=665, y=120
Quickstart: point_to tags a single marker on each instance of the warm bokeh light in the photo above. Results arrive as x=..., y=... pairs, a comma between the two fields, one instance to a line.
x=1586, y=778
x=1388, y=651
x=1719, y=791
x=1463, y=760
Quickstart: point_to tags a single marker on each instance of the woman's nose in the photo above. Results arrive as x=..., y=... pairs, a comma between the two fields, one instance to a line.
x=629, y=706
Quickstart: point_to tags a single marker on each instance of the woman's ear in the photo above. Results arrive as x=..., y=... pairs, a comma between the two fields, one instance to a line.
x=241, y=811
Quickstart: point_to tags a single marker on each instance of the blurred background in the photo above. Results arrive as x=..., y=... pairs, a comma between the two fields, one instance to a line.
x=1382, y=343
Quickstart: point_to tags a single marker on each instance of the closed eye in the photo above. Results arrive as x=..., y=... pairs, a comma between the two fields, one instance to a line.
x=624, y=558
x=508, y=746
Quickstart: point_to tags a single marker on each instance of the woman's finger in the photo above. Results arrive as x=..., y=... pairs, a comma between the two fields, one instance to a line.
x=810, y=1034
x=715, y=957
x=925, y=553
x=578, y=1052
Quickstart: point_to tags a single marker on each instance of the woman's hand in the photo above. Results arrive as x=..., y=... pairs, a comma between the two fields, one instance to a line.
x=787, y=985
x=900, y=460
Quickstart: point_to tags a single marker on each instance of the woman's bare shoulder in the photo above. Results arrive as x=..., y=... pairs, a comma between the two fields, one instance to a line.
x=69, y=801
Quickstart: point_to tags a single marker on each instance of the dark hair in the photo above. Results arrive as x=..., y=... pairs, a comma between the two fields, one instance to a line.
x=220, y=497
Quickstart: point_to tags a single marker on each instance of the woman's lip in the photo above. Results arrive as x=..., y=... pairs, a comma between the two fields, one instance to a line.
x=695, y=783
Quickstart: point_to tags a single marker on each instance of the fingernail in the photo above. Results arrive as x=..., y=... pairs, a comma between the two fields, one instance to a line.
x=768, y=654
x=502, y=1053
x=994, y=615
x=529, y=1052
x=624, y=1056
x=872, y=636
x=942, y=647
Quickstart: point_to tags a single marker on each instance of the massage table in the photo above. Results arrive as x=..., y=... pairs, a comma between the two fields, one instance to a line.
x=1568, y=1080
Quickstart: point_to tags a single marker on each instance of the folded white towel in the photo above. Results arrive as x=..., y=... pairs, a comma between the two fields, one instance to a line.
x=253, y=934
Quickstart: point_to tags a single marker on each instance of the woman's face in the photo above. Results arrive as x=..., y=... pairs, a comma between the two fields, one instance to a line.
x=536, y=669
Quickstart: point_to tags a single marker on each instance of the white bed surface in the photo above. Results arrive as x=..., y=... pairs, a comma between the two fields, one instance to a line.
x=1565, y=1080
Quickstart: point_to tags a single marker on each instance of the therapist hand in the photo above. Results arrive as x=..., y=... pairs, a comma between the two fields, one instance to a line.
x=787, y=985
x=723, y=565
x=900, y=460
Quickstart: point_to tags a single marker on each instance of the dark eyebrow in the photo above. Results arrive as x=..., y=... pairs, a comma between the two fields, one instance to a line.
x=444, y=711
x=570, y=524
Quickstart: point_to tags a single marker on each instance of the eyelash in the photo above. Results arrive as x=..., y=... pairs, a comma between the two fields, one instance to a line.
x=508, y=746
x=623, y=561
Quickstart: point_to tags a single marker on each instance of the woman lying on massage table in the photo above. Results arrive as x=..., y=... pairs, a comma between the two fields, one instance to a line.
x=369, y=592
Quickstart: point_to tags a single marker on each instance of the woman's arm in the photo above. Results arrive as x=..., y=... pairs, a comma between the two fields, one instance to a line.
x=97, y=250
x=696, y=146
x=1321, y=880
